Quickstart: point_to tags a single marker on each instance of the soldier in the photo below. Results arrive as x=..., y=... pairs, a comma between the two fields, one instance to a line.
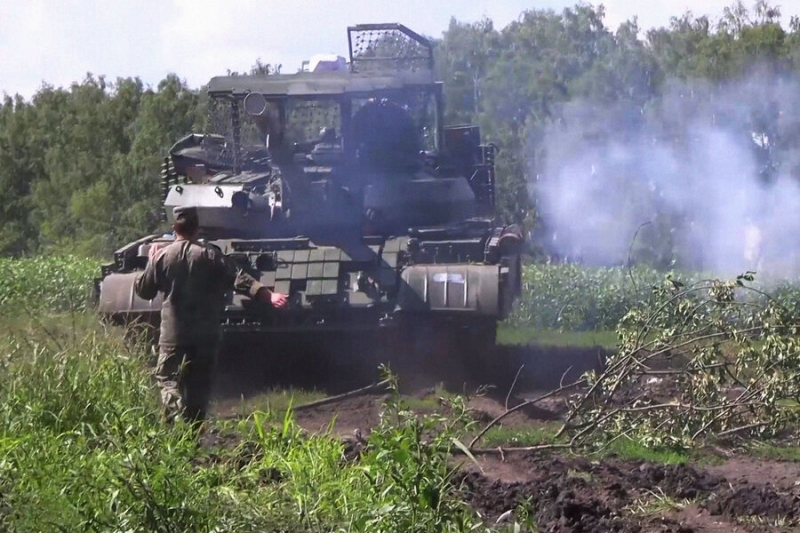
x=194, y=277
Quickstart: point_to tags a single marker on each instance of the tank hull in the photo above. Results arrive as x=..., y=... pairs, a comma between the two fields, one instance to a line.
x=353, y=306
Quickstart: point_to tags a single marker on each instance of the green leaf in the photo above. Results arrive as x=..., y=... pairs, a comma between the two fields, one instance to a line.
x=461, y=446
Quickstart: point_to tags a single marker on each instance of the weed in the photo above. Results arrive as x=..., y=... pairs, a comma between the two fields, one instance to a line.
x=656, y=503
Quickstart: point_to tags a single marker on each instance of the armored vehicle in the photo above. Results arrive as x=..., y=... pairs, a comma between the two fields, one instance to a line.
x=341, y=187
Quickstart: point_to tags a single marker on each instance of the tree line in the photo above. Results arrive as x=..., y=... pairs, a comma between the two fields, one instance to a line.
x=79, y=166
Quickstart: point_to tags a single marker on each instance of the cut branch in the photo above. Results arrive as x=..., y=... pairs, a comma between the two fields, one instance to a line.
x=520, y=406
x=375, y=387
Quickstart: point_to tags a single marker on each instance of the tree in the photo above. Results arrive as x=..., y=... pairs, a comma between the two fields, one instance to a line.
x=463, y=57
x=21, y=157
x=79, y=166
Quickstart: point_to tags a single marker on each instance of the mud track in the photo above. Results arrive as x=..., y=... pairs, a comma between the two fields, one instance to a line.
x=558, y=492
x=249, y=366
x=566, y=494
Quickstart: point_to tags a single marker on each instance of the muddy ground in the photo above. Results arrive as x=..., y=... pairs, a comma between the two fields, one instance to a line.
x=563, y=492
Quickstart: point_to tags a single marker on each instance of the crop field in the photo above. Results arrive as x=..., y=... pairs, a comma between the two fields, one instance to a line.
x=625, y=400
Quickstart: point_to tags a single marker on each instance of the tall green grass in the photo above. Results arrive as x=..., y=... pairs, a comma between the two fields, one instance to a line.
x=83, y=448
x=82, y=444
x=46, y=284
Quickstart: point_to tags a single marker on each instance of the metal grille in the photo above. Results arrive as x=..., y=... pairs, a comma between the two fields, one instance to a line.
x=305, y=119
x=219, y=118
x=382, y=47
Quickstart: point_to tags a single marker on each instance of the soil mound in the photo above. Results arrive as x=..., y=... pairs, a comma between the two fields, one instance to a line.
x=752, y=500
x=577, y=496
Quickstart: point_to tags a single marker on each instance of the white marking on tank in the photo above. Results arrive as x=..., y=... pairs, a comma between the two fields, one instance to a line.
x=452, y=277
x=446, y=299
x=466, y=289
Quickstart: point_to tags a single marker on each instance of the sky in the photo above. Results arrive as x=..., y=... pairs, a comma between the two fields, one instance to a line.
x=59, y=41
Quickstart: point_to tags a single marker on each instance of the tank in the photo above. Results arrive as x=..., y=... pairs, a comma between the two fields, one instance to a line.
x=341, y=187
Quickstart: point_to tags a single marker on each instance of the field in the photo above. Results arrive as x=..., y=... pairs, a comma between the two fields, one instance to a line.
x=687, y=422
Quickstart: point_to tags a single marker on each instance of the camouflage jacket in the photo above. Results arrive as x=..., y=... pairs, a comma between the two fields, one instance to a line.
x=194, y=278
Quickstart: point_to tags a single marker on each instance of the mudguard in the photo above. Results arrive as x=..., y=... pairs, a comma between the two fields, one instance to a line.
x=118, y=299
x=450, y=288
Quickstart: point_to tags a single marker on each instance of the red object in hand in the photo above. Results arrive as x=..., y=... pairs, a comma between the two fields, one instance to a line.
x=279, y=300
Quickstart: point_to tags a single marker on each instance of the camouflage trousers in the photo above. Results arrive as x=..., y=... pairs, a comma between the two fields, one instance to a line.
x=184, y=377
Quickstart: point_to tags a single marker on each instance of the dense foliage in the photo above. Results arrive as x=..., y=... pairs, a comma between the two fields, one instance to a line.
x=79, y=165
x=577, y=298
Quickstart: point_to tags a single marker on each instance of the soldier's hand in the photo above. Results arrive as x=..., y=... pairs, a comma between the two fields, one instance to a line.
x=279, y=301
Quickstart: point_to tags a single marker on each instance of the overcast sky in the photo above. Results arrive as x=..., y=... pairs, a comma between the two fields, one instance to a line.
x=59, y=41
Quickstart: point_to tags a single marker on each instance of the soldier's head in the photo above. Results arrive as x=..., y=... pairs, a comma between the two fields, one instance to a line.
x=187, y=221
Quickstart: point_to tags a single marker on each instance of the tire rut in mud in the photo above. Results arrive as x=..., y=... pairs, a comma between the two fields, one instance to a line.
x=576, y=495
x=750, y=500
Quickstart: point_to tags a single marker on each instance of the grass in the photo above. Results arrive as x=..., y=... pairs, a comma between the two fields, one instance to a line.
x=628, y=449
x=624, y=449
x=83, y=448
x=513, y=334
x=45, y=284
x=276, y=401
x=766, y=450
x=522, y=435
x=429, y=402
x=764, y=522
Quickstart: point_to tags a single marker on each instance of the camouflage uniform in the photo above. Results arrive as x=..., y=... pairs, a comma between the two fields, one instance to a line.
x=194, y=277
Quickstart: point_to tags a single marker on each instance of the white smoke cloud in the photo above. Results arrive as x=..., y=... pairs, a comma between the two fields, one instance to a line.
x=689, y=173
